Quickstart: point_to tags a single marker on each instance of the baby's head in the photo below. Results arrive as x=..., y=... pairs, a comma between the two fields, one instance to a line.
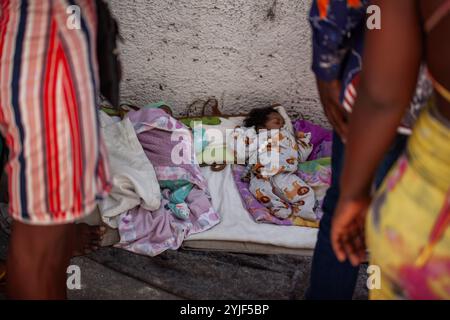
x=264, y=118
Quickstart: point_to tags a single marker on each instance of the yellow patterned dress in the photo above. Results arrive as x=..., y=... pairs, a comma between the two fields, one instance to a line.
x=407, y=226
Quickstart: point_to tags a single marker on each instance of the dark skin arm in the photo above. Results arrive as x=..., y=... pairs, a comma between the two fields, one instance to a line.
x=391, y=65
x=335, y=113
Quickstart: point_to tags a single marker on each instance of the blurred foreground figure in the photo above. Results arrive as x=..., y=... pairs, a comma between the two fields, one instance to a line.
x=407, y=226
x=56, y=169
x=338, y=31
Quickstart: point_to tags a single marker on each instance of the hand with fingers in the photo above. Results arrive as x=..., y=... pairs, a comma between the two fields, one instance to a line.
x=329, y=93
x=348, y=230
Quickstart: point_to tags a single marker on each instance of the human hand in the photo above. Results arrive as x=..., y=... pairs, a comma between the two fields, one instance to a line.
x=348, y=230
x=329, y=93
x=300, y=135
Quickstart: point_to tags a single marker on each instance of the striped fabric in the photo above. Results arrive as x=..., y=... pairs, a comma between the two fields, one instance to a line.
x=349, y=96
x=48, y=93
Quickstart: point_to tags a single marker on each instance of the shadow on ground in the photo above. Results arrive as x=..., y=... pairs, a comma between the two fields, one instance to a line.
x=112, y=273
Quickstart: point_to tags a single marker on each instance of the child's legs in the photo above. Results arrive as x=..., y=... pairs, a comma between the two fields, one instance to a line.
x=263, y=191
x=37, y=261
x=296, y=192
x=199, y=202
x=179, y=190
x=176, y=192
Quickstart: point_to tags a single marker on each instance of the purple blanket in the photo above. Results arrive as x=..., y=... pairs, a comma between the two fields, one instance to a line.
x=321, y=138
x=150, y=233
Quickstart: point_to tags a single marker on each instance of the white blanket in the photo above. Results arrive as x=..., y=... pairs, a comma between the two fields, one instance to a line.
x=133, y=176
x=237, y=224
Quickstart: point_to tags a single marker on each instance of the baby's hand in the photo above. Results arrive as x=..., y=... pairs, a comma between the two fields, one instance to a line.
x=300, y=134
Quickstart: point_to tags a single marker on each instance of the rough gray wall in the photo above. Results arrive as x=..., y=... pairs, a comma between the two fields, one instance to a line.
x=246, y=53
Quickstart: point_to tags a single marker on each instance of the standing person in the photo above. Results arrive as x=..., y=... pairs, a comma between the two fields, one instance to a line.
x=338, y=29
x=407, y=228
x=2, y=263
x=57, y=166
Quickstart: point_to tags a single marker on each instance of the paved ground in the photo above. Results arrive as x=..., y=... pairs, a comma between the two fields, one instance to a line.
x=112, y=273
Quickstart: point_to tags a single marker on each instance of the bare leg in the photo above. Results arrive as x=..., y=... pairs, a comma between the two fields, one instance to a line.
x=37, y=261
x=87, y=239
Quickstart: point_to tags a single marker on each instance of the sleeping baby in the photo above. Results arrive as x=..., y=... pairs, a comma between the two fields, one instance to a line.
x=274, y=162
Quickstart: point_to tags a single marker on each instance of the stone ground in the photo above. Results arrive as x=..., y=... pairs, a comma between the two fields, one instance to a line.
x=112, y=273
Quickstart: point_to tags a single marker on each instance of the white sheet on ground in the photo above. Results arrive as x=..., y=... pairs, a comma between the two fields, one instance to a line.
x=237, y=224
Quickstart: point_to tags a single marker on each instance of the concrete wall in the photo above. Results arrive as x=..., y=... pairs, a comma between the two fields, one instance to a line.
x=246, y=53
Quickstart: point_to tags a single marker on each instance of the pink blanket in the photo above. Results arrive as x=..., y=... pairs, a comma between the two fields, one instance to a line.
x=152, y=232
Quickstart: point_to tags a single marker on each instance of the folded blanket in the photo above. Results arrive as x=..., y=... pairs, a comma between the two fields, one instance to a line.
x=168, y=145
x=133, y=177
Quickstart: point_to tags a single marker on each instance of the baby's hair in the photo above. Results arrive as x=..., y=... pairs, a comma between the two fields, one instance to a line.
x=258, y=117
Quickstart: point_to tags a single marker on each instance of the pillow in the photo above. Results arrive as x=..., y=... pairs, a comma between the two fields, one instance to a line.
x=189, y=122
x=218, y=154
x=216, y=151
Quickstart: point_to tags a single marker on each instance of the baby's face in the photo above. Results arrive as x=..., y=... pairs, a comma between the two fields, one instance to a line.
x=274, y=121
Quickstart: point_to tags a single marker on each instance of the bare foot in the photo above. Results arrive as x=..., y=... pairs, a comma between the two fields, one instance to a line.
x=87, y=238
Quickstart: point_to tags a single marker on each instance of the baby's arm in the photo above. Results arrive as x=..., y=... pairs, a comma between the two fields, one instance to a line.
x=246, y=174
x=304, y=144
